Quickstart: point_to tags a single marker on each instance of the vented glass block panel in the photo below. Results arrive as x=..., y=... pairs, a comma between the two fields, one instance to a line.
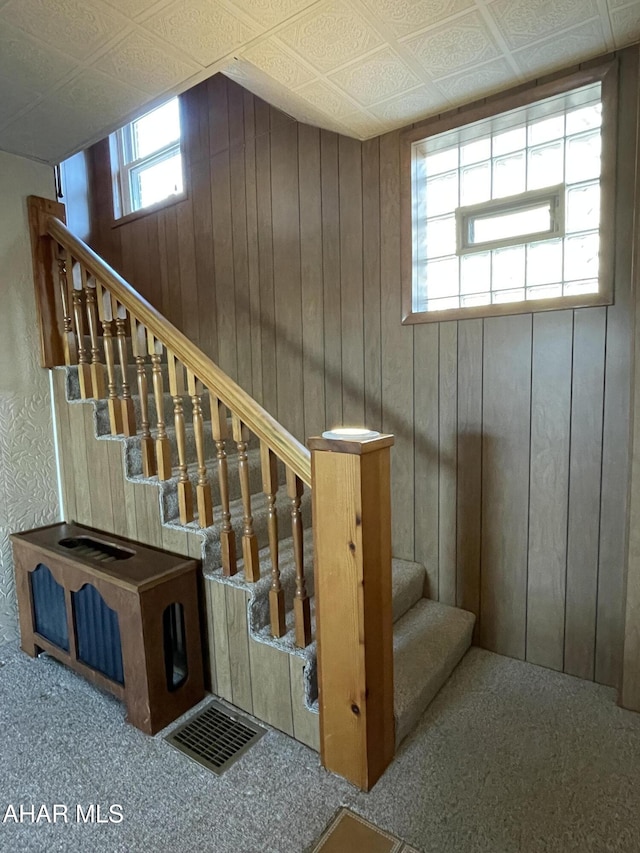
x=499, y=296
x=581, y=257
x=546, y=166
x=440, y=237
x=475, y=151
x=443, y=161
x=490, y=227
x=583, y=208
x=49, y=607
x=442, y=194
x=545, y=130
x=475, y=184
x=442, y=278
x=544, y=262
x=97, y=633
x=583, y=157
x=545, y=291
x=510, y=140
x=584, y=118
x=509, y=175
x=508, y=268
x=475, y=273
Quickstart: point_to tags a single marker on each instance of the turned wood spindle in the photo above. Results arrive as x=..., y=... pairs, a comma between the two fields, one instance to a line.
x=96, y=368
x=176, y=389
x=128, y=411
x=138, y=337
x=84, y=370
x=249, y=540
x=203, y=489
x=68, y=338
x=301, y=604
x=106, y=318
x=163, y=448
x=227, y=534
x=269, y=465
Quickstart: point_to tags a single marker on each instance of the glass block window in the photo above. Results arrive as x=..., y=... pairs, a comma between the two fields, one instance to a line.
x=147, y=160
x=507, y=209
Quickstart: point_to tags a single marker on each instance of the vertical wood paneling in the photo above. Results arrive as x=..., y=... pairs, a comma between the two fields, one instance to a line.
x=351, y=290
x=238, y=638
x=426, y=359
x=583, y=532
x=286, y=275
x=505, y=483
x=549, y=486
x=448, y=462
x=617, y=398
x=331, y=274
x=187, y=271
x=244, y=342
x=253, y=261
x=371, y=273
x=223, y=262
x=469, y=467
x=311, y=281
x=397, y=352
x=204, y=261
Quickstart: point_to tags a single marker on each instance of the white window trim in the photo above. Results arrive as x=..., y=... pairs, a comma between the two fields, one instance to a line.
x=607, y=75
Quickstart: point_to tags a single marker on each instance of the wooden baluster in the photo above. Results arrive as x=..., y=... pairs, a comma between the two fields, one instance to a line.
x=128, y=410
x=163, y=448
x=68, y=338
x=138, y=339
x=176, y=389
x=97, y=370
x=301, y=604
x=227, y=534
x=203, y=489
x=84, y=371
x=249, y=541
x=106, y=318
x=269, y=465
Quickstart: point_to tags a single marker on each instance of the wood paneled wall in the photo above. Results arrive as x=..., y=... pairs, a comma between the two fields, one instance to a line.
x=510, y=469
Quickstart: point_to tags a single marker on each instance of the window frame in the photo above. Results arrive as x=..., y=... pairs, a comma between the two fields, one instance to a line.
x=606, y=73
x=120, y=148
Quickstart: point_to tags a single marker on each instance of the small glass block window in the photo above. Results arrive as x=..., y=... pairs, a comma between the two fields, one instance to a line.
x=508, y=209
x=147, y=159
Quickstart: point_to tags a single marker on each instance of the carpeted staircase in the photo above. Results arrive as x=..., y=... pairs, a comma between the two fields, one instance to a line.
x=429, y=638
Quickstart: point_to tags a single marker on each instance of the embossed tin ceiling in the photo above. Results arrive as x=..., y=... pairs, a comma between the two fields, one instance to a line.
x=73, y=70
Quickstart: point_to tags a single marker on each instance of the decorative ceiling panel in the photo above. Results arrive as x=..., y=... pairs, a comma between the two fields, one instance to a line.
x=147, y=63
x=71, y=71
x=331, y=35
x=455, y=46
x=376, y=77
x=205, y=31
x=73, y=26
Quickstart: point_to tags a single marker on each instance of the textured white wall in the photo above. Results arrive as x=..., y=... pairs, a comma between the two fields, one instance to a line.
x=28, y=480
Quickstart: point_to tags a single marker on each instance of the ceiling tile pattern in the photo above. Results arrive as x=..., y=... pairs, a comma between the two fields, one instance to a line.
x=73, y=70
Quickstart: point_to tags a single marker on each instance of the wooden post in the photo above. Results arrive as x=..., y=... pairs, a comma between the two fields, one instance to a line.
x=354, y=624
x=45, y=279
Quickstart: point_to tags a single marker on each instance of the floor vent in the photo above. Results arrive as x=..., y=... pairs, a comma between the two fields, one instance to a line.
x=216, y=737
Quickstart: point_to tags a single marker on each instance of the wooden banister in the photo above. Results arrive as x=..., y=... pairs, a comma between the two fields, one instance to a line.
x=295, y=455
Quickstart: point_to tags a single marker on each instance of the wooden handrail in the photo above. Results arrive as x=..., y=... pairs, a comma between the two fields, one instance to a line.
x=287, y=448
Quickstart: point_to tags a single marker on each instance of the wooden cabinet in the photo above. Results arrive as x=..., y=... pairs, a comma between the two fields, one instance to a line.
x=123, y=615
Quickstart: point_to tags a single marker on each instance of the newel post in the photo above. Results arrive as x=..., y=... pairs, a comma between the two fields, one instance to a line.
x=45, y=280
x=350, y=472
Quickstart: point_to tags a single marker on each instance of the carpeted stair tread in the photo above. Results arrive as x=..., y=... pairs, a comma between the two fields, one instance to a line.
x=428, y=643
x=408, y=581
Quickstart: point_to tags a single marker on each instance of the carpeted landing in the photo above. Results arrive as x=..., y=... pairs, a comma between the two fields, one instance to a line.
x=508, y=757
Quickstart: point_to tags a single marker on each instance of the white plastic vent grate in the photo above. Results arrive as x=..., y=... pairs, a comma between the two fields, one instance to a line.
x=216, y=737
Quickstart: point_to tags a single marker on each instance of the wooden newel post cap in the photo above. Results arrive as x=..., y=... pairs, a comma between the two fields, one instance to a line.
x=350, y=440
